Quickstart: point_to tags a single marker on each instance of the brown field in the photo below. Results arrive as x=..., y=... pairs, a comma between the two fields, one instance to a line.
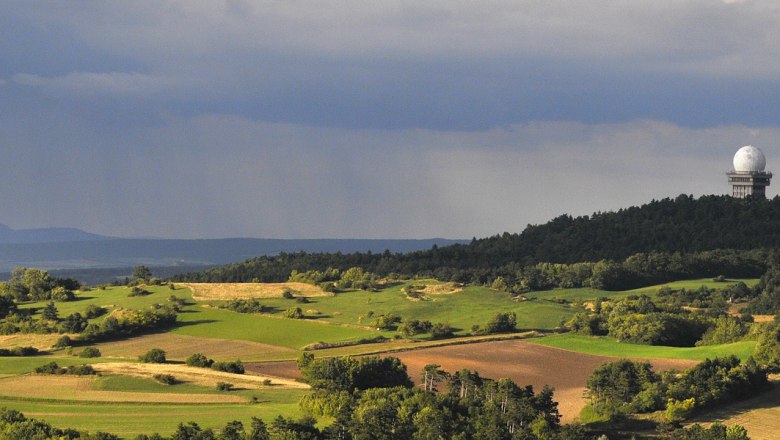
x=80, y=388
x=195, y=375
x=41, y=342
x=225, y=291
x=182, y=346
x=525, y=363
x=759, y=415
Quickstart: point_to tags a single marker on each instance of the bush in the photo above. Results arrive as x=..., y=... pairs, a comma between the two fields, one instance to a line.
x=94, y=311
x=224, y=386
x=166, y=379
x=153, y=356
x=63, y=341
x=234, y=367
x=441, y=330
x=294, y=313
x=199, y=360
x=53, y=368
x=18, y=351
x=137, y=291
x=90, y=352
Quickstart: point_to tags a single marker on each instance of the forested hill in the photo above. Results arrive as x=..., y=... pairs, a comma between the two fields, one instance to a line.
x=683, y=224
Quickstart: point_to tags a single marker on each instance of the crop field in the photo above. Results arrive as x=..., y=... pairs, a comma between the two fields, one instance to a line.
x=222, y=291
x=179, y=347
x=759, y=415
x=195, y=375
x=525, y=363
x=606, y=346
x=131, y=419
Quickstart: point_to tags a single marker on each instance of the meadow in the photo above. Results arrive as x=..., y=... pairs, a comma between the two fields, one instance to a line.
x=125, y=399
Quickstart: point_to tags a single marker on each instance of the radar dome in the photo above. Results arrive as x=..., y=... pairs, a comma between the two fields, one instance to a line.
x=749, y=159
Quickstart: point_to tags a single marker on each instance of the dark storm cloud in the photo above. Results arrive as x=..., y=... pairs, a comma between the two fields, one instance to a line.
x=373, y=119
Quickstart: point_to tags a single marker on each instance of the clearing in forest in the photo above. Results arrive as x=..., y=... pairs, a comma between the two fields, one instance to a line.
x=227, y=291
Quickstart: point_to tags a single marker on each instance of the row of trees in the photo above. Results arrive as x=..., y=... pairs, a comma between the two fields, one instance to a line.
x=622, y=387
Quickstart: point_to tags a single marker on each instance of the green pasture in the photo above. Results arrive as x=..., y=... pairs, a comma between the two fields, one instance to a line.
x=606, y=346
x=112, y=297
x=292, y=333
x=474, y=305
x=129, y=420
x=22, y=365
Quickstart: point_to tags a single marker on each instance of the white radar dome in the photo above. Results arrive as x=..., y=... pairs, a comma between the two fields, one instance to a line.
x=749, y=159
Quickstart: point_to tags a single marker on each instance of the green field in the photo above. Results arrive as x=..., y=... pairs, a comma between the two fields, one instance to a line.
x=474, y=305
x=606, y=346
x=344, y=317
x=129, y=420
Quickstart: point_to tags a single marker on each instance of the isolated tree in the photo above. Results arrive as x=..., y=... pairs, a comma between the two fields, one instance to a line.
x=142, y=273
x=153, y=356
x=50, y=311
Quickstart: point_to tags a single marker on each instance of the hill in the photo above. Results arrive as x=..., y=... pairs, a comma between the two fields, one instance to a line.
x=112, y=252
x=45, y=235
x=682, y=225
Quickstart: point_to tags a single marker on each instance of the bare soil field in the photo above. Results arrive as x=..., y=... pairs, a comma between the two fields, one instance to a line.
x=182, y=346
x=195, y=375
x=759, y=415
x=80, y=388
x=226, y=291
x=526, y=364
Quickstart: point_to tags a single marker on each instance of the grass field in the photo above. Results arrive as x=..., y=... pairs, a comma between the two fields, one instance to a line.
x=473, y=305
x=611, y=347
x=759, y=415
x=129, y=420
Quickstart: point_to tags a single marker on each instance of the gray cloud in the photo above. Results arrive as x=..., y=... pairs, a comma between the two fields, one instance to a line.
x=373, y=119
x=217, y=175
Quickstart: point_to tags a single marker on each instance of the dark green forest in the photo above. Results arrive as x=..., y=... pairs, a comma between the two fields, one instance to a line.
x=666, y=239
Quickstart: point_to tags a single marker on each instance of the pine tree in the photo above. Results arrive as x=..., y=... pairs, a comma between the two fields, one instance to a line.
x=50, y=312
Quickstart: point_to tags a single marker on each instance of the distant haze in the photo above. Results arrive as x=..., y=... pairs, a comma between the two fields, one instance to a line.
x=396, y=119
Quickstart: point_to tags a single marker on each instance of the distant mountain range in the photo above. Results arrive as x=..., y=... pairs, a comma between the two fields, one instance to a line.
x=68, y=248
x=45, y=235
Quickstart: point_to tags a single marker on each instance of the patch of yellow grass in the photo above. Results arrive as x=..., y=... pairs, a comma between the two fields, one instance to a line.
x=41, y=342
x=195, y=375
x=441, y=289
x=226, y=291
x=80, y=388
x=182, y=346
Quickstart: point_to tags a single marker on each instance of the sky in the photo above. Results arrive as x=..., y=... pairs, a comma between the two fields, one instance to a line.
x=356, y=119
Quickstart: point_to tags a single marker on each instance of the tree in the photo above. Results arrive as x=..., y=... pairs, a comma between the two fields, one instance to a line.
x=50, y=312
x=142, y=273
x=431, y=375
x=153, y=356
x=199, y=360
x=258, y=430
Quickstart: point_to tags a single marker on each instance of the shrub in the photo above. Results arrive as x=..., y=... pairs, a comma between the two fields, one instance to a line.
x=137, y=291
x=153, y=356
x=224, y=386
x=294, y=313
x=50, y=368
x=63, y=341
x=199, y=360
x=93, y=311
x=80, y=370
x=267, y=382
x=234, y=367
x=288, y=294
x=441, y=330
x=166, y=379
x=90, y=352
x=18, y=351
